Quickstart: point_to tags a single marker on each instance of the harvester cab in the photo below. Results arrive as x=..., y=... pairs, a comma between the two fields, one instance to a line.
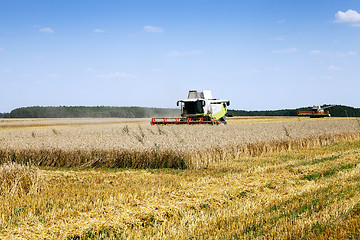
x=198, y=108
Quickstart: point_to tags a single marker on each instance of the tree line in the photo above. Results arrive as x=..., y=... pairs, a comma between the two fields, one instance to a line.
x=145, y=112
x=335, y=111
x=91, y=112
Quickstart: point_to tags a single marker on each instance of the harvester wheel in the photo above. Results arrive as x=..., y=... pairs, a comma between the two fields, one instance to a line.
x=223, y=120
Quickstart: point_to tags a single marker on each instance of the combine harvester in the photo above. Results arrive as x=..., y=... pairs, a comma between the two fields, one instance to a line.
x=317, y=112
x=198, y=108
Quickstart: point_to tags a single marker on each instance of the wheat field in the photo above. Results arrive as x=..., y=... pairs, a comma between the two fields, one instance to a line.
x=277, y=178
x=136, y=144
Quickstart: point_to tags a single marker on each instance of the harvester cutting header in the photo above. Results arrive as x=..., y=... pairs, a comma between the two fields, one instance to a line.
x=198, y=108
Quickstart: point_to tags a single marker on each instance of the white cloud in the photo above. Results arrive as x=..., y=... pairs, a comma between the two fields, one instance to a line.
x=89, y=69
x=333, y=68
x=350, y=16
x=333, y=54
x=38, y=57
x=287, y=50
x=25, y=75
x=53, y=75
x=153, y=29
x=7, y=70
x=326, y=77
x=343, y=54
x=158, y=70
x=315, y=52
x=184, y=53
x=98, y=30
x=116, y=75
x=281, y=21
x=276, y=39
x=2, y=49
x=272, y=69
x=46, y=30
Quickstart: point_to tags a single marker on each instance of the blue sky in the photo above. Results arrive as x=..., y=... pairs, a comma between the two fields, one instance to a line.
x=260, y=54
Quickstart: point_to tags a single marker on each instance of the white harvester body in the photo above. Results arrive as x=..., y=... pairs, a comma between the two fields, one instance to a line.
x=199, y=108
x=202, y=104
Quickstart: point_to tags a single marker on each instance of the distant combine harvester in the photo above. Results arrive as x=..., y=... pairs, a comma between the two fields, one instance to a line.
x=317, y=112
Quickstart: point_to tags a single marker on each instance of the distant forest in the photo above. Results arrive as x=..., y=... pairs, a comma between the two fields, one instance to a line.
x=144, y=112
x=91, y=112
x=335, y=111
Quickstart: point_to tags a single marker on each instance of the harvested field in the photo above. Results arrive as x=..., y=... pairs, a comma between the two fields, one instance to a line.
x=265, y=178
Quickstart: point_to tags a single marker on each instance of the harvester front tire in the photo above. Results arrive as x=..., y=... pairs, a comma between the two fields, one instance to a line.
x=223, y=120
